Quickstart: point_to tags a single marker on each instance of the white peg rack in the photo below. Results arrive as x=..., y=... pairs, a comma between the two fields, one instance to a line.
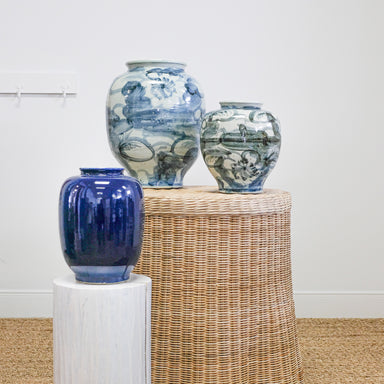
x=21, y=84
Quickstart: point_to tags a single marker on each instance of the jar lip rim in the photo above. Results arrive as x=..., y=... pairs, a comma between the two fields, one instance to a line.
x=96, y=171
x=155, y=61
x=240, y=104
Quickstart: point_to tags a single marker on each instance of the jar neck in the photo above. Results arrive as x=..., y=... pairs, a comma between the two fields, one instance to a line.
x=155, y=64
x=239, y=105
x=101, y=171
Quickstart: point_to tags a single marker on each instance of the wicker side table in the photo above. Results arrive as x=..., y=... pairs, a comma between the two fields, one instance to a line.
x=222, y=305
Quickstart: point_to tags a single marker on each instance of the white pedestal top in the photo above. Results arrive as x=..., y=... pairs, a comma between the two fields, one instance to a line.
x=69, y=281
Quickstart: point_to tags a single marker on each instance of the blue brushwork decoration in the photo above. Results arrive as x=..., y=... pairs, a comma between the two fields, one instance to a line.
x=154, y=115
x=240, y=144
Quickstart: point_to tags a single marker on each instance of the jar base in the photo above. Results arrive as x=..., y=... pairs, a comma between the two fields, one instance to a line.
x=101, y=274
x=242, y=191
x=162, y=186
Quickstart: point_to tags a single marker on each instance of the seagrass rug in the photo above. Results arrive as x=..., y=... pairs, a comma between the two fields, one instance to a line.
x=334, y=351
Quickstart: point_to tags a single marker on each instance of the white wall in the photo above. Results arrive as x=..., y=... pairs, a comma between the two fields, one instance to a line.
x=316, y=64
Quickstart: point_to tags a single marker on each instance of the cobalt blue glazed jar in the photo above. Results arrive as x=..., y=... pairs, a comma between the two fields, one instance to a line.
x=101, y=217
x=154, y=115
x=240, y=144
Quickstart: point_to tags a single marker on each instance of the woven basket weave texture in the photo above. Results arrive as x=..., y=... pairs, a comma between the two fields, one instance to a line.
x=222, y=304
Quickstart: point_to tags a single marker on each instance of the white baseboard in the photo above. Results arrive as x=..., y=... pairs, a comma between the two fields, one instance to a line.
x=350, y=304
x=325, y=304
x=28, y=303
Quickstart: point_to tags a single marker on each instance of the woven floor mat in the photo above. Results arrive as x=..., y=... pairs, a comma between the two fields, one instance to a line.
x=334, y=351
x=342, y=351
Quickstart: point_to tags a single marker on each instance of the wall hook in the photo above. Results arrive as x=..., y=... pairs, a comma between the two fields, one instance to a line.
x=19, y=89
x=64, y=90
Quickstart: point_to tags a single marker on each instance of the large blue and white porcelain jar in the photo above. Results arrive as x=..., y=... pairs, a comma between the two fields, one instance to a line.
x=154, y=115
x=101, y=215
x=240, y=144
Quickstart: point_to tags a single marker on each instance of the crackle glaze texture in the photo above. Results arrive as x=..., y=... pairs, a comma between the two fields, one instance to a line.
x=101, y=215
x=154, y=115
x=240, y=144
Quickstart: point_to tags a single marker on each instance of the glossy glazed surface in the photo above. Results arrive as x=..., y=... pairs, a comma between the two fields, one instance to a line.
x=101, y=215
x=154, y=115
x=240, y=144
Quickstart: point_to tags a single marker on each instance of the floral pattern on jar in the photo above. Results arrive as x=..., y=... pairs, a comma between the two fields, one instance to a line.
x=240, y=144
x=154, y=115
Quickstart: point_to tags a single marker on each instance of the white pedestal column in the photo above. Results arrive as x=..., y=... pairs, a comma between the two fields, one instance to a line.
x=102, y=333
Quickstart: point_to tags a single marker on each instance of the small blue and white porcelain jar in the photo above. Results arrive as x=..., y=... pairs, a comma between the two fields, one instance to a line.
x=101, y=215
x=154, y=115
x=240, y=144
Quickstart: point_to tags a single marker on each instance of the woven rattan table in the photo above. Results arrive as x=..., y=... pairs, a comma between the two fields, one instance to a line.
x=222, y=305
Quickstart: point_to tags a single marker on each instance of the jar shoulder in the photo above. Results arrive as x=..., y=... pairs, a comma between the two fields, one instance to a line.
x=80, y=183
x=153, y=76
x=232, y=119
